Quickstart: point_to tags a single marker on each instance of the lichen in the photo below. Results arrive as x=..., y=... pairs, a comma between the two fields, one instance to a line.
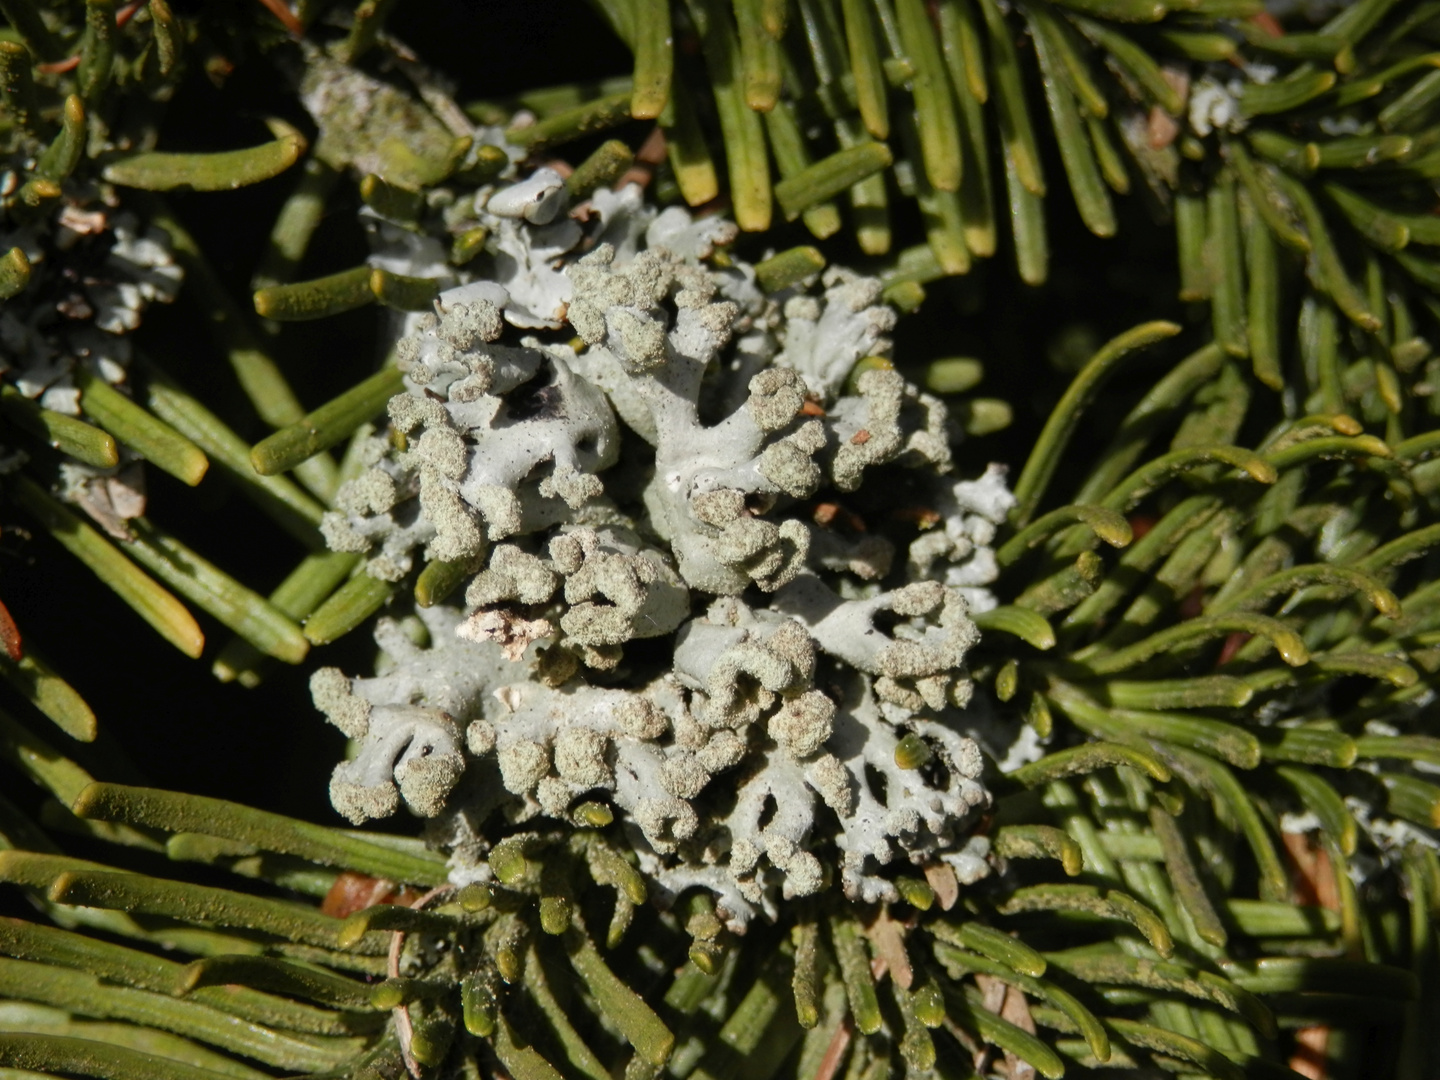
x=94, y=270
x=670, y=475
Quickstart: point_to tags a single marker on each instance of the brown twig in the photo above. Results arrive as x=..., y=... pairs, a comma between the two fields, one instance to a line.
x=70, y=63
x=10, y=635
x=282, y=11
x=1312, y=882
x=404, y=1029
x=650, y=154
x=835, y=1052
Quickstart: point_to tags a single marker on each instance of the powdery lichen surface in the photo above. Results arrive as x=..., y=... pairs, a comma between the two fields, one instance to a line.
x=679, y=598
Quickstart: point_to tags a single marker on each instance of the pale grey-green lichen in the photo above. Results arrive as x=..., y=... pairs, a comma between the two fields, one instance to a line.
x=93, y=272
x=667, y=607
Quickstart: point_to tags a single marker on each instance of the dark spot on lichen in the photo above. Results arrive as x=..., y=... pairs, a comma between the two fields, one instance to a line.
x=537, y=399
